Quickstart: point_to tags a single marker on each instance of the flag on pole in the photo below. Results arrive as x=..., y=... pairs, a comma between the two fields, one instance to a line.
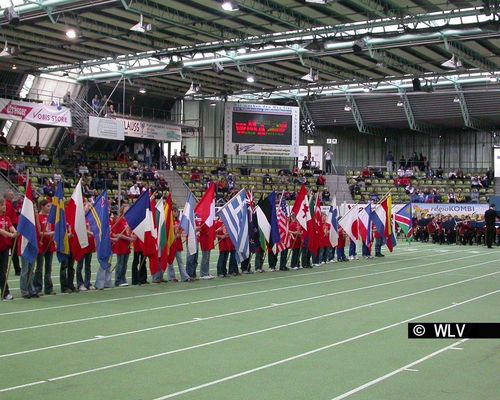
x=404, y=219
x=234, y=215
x=301, y=208
x=188, y=225
x=365, y=225
x=315, y=227
x=389, y=232
x=161, y=233
x=334, y=224
x=349, y=223
x=57, y=217
x=140, y=219
x=98, y=219
x=205, y=209
x=75, y=215
x=282, y=224
x=28, y=248
x=268, y=222
x=169, y=222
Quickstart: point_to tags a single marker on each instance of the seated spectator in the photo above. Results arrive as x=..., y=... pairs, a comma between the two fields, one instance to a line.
x=134, y=191
x=111, y=110
x=57, y=177
x=266, y=179
x=244, y=170
x=28, y=150
x=96, y=104
x=36, y=150
x=439, y=172
x=221, y=168
x=321, y=180
x=451, y=196
x=452, y=175
x=44, y=159
x=83, y=169
x=401, y=172
x=474, y=196
x=48, y=188
x=295, y=171
x=366, y=173
x=20, y=165
x=222, y=186
x=5, y=166
x=306, y=164
x=325, y=195
x=230, y=183
x=195, y=175
x=475, y=183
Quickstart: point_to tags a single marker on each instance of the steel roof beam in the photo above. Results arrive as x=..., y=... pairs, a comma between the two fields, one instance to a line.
x=410, y=117
x=469, y=121
x=358, y=118
x=470, y=56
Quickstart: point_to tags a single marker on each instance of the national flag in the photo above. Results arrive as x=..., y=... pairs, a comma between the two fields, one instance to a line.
x=98, y=219
x=268, y=222
x=169, y=225
x=404, y=219
x=188, y=225
x=301, y=208
x=75, y=215
x=161, y=233
x=205, y=209
x=315, y=227
x=140, y=219
x=389, y=232
x=57, y=217
x=234, y=215
x=365, y=225
x=332, y=220
x=28, y=248
x=283, y=224
x=349, y=222
x=379, y=219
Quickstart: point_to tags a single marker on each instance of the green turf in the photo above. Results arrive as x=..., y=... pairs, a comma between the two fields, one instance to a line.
x=219, y=339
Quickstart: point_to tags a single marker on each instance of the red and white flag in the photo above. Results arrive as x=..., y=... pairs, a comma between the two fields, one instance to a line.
x=75, y=217
x=301, y=208
x=349, y=223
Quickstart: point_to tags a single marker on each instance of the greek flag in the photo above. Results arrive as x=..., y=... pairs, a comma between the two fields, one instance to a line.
x=234, y=216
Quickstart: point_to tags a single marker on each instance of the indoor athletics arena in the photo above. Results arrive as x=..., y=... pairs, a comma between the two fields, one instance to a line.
x=249, y=199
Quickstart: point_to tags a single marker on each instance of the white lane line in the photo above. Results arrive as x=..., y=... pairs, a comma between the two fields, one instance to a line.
x=397, y=371
x=410, y=369
x=107, y=367
x=149, y=309
x=308, y=353
x=291, y=275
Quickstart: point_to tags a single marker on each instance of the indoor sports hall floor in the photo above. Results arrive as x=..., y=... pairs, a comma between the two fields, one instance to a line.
x=332, y=332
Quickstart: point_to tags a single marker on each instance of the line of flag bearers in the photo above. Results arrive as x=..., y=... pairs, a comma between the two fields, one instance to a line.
x=245, y=231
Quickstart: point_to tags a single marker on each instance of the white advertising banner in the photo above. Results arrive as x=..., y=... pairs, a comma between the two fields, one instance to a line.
x=151, y=130
x=35, y=113
x=424, y=209
x=106, y=128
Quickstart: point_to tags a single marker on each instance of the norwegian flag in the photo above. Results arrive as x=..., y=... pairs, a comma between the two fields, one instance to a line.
x=282, y=225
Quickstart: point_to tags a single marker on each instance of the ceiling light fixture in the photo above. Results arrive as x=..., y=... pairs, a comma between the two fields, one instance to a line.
x=71, y=34
x=141, y=27
x=456, y=99
x=452, y=63
x=399, y=103
x=11, y=15
x=250, y=79
x=142, y=90
x=311, y=76
x=347, y=107
x=358, y=45
x=213, y=104
x=367, y=89
x=493, y=78
x=14, y=66
x=229, y=6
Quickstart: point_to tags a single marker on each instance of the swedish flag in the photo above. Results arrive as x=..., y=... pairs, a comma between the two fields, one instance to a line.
x=57, y=217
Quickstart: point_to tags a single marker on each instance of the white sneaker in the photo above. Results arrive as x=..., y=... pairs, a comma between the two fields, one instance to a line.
x=92, y=287
x=123, y=284
x=295, y=268
x=207, y=277
x=272, y=269
x=9, y=297
x=82, y=288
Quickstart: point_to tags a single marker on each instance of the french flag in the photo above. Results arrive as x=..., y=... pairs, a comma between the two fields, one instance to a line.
x=139, y=218
x=28, y=248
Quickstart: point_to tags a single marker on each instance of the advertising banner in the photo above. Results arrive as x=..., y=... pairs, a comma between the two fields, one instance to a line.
x=151, y=130
x=106, y=128
x=423, y=209
x=35, y=113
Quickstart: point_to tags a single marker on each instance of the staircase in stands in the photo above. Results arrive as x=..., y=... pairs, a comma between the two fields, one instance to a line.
x=337, y=186
x=178, y=188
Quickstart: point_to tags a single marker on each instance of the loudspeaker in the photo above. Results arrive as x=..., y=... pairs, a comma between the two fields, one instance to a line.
x=416, y=85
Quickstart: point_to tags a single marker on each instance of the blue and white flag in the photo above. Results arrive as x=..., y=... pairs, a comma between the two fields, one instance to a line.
x=332, y=220
x=234, y=216
x=188, y=225
x=98, y=219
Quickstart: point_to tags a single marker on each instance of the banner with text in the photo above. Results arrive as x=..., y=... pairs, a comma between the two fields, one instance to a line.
x=35, y=113
x=106, y=128
x=151, y=130
x=423, y=209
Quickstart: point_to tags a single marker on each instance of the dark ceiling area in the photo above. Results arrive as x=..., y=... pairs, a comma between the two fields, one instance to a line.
x=295, y=50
